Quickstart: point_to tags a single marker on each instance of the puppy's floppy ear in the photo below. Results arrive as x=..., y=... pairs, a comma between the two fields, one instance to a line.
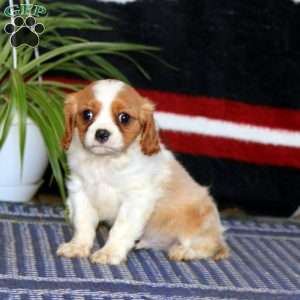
x=70, y=110
x=149, y=136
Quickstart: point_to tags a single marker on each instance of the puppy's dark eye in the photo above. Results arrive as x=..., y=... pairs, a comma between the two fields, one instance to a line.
x=124, y=118
x=87, y=115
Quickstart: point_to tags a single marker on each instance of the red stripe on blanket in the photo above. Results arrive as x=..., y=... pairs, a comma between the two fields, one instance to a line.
x=231, y=149
x=227, y=110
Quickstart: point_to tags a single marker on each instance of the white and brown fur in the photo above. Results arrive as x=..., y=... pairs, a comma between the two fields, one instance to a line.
x=131, y=181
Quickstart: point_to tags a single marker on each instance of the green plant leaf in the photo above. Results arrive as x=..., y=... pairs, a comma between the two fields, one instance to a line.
x=18, y=95
x=2, y=2
x=5, y=121
x=57, y=84
x=108, y=67
x=41, y=99
x=65, y=40
x=3, y=109
x=4, y=70
x=94, y=46
x=54, y=159
x=61, y=6
x=25, y=55
x=160, y=60
x=4, y=53
x=134, y=62
x=66, y=64
x=71, y=23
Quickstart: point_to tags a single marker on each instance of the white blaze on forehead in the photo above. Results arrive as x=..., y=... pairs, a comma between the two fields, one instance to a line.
x=106, y=91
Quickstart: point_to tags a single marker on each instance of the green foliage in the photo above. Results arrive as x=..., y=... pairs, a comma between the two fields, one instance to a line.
x=23, y=94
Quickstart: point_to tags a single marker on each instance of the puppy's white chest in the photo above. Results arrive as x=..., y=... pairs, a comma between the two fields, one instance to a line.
x=105, y=199
x=103, y=195
x=96, y=181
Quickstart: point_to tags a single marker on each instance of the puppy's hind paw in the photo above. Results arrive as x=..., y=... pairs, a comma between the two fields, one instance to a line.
x=177, y=253
x=73, y=249
x=222, y=253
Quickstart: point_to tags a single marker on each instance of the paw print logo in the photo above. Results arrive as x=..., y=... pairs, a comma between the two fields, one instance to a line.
x=24, y=32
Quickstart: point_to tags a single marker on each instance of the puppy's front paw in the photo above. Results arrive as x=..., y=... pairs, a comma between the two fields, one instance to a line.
x=108, y=256
x=73, y=249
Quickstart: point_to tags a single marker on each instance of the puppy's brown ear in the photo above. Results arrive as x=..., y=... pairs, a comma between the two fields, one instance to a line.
x=149, y=137
x=70, y=110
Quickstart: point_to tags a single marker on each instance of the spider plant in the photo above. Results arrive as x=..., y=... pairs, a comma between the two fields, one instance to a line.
x=22, y=93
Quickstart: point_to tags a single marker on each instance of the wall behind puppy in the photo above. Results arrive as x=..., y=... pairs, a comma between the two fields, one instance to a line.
x=231, y=111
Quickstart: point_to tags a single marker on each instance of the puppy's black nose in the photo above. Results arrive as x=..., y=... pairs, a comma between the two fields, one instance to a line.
x=102, y=135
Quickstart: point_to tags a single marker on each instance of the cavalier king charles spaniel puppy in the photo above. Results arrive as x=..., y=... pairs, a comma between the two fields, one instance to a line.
x=121, y=173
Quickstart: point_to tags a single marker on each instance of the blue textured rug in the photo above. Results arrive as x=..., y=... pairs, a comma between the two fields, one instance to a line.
x=265, y=264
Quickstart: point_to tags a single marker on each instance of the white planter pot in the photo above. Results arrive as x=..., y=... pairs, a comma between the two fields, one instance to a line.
x=17, y=186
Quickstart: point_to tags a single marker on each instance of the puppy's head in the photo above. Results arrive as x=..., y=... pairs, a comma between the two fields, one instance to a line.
x=109, y=116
